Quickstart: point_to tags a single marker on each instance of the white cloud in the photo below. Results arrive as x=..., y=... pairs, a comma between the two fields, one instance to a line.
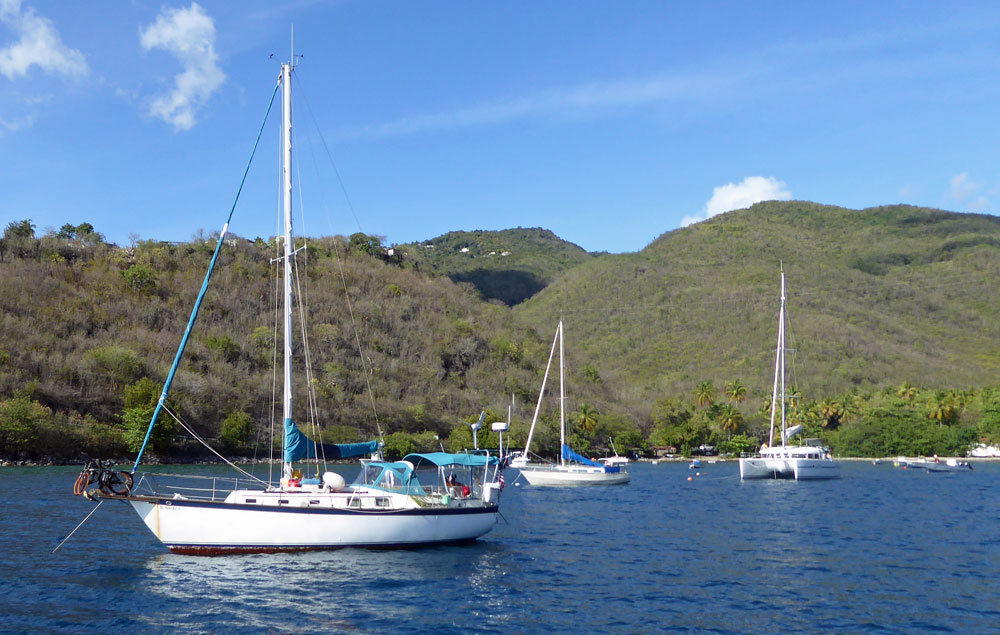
x=752, y=189
x=38, y=45
x=189, y=35
x=967, y=194
x=16, y=124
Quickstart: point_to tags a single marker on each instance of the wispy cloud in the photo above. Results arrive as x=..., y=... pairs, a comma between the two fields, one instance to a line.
x=38, y=44
x=16, y=124
x=563, y=101
x=968, y=194
x=752, y=189
x=867, y=57
x=189, y=35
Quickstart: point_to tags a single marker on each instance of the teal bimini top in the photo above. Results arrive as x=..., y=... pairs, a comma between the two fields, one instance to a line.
x=399, y=476
x=446, y=459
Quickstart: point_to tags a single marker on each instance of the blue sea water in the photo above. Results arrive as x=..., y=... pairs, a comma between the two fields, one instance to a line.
x=882, y=550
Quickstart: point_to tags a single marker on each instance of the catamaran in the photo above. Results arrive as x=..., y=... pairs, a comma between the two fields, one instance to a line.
x=572, y=468
x=799, y=462
x=429, y=498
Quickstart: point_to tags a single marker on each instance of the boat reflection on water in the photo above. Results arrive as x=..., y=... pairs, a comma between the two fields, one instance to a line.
x=322, y=591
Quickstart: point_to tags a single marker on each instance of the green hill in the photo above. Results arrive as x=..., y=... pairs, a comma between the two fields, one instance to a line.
x=875, y=297
x=510, y=265
x=83, y=325
x=893, y=324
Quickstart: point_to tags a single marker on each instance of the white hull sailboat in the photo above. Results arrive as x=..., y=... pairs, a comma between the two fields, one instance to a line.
x=430, y=498
x=317, y=517
x=799, y=462
x=579, y=470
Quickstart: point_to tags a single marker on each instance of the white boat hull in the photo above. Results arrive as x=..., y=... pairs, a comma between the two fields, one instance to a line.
x=761, y=468
x=788, y=468
x=949, y=465
x=571, y=476
x=207, y=527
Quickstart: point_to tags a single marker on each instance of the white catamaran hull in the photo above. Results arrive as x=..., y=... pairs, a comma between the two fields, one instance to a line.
x=571, y=476
x=206, y=527
x=815, y=469
x=760, y=468
x=790, y=468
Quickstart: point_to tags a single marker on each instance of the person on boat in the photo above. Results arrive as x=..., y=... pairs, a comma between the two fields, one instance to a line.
x=457, y=487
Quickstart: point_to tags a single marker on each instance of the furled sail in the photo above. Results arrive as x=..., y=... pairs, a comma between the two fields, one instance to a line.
x=298, y=446
x=570, y=455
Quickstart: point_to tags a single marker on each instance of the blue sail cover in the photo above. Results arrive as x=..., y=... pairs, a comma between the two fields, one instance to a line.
x=299, y=446
x=570, y=455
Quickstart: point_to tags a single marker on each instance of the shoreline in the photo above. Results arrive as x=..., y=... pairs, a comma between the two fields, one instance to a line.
x=49, y=462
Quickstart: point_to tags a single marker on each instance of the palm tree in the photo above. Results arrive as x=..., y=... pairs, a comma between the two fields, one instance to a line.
x=907, y=391
x=794, y=396
x=855, y=405
x=941, y=408
x=831, y=412
x=736, y=391
x=960, y=399
x=586, y=418
x=765, y=409
x=730, y=419
x=704, y=394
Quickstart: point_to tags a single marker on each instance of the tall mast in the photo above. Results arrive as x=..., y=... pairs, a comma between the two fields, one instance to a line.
x=778, y=366
x=781, y=340
x=286, y=164
x=562, y=399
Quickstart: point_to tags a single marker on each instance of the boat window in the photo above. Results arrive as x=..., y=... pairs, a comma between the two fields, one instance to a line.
x=381, y=501
x=250, y=500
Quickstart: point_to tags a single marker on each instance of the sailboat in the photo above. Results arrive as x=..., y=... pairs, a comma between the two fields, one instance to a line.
x=572, y=468
x=429, y=498
x=799, y=462
x=616, y=459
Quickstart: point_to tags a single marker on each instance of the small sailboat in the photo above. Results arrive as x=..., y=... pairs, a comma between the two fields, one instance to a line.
x=572, y=468
x=430, y=498
x=799, y=462
x=616, y=459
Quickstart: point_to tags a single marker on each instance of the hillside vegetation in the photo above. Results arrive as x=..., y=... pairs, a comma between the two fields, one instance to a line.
x=89, y=331
x=875, y=297
x=893, y=336
x=510, y=265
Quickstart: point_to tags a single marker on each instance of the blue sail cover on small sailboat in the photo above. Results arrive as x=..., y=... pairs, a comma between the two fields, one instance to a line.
x=570, y=455
x=299, y=446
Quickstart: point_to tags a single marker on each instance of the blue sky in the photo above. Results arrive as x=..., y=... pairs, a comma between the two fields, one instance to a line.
x=607, y=122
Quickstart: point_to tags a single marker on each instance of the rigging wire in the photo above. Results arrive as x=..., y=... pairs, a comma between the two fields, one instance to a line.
x=202, y=441
x=70, y=535
x=367, y=371
x=329, y=155
x=318, y=449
